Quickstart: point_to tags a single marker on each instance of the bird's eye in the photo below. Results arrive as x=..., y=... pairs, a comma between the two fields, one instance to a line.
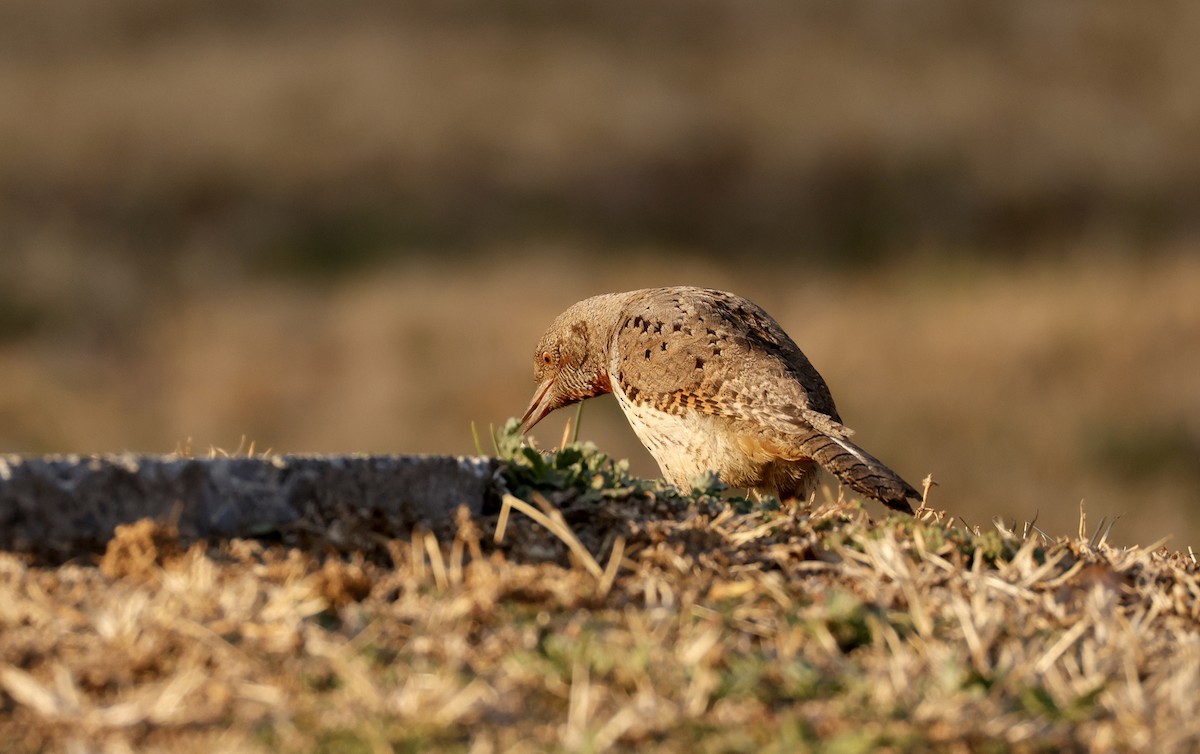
x=547, y=359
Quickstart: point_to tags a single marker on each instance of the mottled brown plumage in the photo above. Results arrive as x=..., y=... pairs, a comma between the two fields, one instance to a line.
x=709, y=382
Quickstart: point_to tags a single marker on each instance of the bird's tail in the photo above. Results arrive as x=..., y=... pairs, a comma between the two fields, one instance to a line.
x=861, y=471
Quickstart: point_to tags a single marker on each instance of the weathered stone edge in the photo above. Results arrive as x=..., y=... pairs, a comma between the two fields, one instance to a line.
x=57, y=504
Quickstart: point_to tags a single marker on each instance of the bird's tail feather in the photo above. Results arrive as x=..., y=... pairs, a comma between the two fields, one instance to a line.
x=861, y=471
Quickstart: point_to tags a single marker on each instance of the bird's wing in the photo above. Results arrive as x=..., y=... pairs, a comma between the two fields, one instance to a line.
x=684, y=349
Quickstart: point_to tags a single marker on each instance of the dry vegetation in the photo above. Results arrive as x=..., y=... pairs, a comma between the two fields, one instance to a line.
x=634, y=620
x=342, y=229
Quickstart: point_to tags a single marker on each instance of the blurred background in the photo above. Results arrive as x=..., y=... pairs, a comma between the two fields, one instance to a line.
x=342, y=227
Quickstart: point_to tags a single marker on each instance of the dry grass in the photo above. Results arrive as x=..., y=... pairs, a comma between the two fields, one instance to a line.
x=180, y=183
x=685, y=625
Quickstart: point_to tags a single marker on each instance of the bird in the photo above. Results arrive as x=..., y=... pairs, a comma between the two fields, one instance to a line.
x=709, y=383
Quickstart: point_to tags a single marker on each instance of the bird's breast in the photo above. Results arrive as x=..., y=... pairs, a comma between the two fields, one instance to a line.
x=687, y=444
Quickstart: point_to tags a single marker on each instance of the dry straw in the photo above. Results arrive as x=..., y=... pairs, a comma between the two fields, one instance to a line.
x=704, y=628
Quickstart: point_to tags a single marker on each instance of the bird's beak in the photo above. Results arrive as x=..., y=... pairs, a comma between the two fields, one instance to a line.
x=543, y=403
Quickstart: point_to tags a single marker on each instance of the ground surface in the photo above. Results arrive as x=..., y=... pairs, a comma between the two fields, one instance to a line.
x=628, y=618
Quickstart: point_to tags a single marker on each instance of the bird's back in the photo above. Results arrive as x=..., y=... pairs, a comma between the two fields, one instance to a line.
x=710, y=382
x=681, y=348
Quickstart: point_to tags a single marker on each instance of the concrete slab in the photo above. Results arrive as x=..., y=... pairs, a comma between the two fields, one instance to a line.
x=61, y=504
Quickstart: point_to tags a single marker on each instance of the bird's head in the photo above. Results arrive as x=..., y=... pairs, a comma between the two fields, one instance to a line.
x=570, y=363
